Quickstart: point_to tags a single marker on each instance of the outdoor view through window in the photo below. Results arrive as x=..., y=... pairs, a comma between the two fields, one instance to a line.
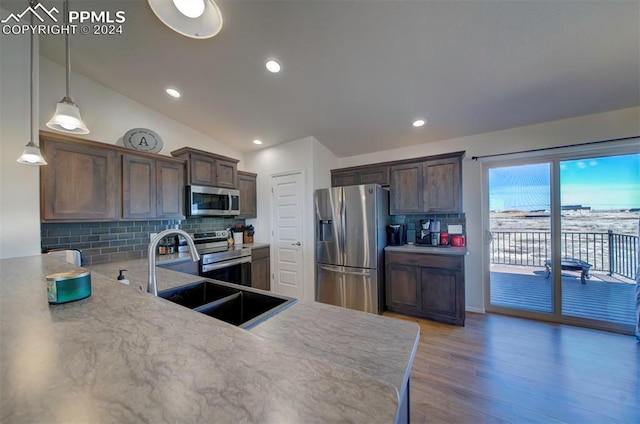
x=600, y=208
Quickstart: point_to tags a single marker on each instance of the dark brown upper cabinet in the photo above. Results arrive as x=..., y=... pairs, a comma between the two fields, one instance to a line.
x=80, y=182
x=90, y=181
x=139, y=193
x=406, y=189
x=248, y=194
x=369, y=174
x=442, y=185
x=431, y=185
x=171, y=193
x=209, y=169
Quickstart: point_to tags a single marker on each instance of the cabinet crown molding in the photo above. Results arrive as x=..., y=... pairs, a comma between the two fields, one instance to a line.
x=54, y=136
x=184, y=150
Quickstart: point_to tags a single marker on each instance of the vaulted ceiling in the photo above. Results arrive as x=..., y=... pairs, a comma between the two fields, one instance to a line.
x=355, y=74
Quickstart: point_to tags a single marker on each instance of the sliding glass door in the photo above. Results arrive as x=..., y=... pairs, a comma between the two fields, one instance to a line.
x=520, y=225
x=563, y=239
x=599, y=237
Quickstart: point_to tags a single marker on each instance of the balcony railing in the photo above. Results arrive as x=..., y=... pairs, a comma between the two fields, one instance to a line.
x=610, y=252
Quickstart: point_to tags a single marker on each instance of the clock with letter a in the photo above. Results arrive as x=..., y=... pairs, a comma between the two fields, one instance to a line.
x=142, y=140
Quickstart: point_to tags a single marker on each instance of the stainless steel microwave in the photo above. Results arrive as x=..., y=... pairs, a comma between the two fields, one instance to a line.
x=212, y=201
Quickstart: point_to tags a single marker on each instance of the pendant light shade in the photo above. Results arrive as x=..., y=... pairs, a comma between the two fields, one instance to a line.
x=67, y=116
x=191, y=18
x=31, y=154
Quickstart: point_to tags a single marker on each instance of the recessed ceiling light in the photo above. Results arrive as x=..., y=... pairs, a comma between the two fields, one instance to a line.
x=190, y=8
x=257, y=141
x=273, y=66
x=419, y=123
x=173, y=92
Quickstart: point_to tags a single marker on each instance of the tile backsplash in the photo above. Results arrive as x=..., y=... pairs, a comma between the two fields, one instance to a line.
x=119, y=240
x=445, y=219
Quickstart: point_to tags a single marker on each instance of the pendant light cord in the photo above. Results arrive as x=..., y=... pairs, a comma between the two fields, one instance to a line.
x=65, y=9
x=32, y=91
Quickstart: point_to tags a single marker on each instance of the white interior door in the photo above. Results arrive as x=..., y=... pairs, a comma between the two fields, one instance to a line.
x=288, y=267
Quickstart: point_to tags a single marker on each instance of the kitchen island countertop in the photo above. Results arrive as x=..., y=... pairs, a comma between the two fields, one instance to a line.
x=125, y=356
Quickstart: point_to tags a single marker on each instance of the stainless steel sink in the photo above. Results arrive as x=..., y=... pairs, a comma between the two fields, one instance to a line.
x=241, y=306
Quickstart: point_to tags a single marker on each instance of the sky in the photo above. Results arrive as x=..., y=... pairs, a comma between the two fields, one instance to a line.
x=600, y=183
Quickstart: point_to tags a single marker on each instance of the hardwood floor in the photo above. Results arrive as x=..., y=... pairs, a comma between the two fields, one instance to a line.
x=500, y=369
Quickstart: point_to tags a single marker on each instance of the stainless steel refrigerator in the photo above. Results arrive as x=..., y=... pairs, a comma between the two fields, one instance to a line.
x=350, y=238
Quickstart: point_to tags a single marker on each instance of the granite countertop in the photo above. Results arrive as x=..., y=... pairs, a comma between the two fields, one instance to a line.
x=431, y=250
x=122, y=355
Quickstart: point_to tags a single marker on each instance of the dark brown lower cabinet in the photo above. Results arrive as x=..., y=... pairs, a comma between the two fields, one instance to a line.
x=425, y=286
x=261, y=268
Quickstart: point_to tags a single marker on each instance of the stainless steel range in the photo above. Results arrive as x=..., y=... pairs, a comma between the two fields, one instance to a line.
x=221, y=262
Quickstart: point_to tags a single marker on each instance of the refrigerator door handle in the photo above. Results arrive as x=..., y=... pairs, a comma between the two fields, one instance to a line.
x=343, y=218
x=342, y=270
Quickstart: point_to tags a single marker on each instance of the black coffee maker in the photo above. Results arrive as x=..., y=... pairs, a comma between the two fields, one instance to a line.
x=396, y=235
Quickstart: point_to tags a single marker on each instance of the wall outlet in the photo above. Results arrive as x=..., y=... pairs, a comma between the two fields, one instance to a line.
x=455, y=229
x=152, y=235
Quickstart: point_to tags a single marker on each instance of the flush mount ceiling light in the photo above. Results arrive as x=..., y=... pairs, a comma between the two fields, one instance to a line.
x=419, y=123
x=67, y=116
x=257, y=141
x=191, y=18
x=190, y=8
x=173, y=92
x=273, y=66
x=31, y=154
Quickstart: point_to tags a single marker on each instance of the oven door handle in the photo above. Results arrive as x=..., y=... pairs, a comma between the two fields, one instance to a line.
x=225, y=264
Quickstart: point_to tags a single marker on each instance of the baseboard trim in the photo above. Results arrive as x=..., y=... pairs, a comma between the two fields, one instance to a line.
x=474, y=309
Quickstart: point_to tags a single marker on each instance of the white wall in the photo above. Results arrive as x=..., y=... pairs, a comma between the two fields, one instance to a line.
x=19, y=195
x=604, y=126
x=315, y=161
x=323, y=161
x=109, y=114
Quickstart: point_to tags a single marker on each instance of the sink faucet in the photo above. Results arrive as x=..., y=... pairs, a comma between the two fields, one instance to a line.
x=152, y=283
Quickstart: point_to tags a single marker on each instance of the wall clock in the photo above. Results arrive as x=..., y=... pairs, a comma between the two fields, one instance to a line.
x=142, y=140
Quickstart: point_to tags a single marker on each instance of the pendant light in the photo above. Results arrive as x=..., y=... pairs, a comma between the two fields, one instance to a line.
x=31, y=154
x=191, y=18
x=67, y=117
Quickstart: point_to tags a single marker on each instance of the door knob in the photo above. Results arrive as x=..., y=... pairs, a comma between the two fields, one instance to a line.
x=296, y=244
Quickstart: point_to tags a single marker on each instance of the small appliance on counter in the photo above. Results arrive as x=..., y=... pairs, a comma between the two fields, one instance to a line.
x=396, y=235
x=435, y=233
x=424, y=236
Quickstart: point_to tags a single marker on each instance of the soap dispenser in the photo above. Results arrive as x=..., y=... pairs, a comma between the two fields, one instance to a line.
x=121, y=277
